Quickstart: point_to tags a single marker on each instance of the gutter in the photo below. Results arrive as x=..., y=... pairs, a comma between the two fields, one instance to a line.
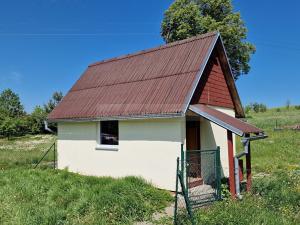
x=246, y=143
x=46, y=127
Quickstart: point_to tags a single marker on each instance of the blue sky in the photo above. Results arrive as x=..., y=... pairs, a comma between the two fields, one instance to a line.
x=45, y=45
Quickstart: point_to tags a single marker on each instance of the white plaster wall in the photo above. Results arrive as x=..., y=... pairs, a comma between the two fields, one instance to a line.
x=213, y=135
x=147, y=148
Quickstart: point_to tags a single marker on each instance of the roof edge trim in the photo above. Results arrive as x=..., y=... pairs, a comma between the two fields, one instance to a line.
x=217, y=121
x=200, y=73
x=133, y=117
x=231, y=73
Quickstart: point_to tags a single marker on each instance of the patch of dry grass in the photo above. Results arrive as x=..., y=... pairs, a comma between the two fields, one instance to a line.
x=24, y=151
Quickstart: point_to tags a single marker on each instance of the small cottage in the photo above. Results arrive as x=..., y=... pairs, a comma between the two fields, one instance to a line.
x=130, y=115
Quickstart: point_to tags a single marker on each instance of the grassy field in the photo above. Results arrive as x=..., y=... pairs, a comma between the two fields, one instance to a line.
x=24, y=151
x=46, y=196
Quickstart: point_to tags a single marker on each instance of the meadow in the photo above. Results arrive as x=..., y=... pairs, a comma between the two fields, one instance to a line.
x=46, y=196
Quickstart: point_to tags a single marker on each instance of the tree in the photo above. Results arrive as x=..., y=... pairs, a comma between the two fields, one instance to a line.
x=56, y=98
x=37, y=118
x=10, y=104
x=187, y=18
x=13, y=126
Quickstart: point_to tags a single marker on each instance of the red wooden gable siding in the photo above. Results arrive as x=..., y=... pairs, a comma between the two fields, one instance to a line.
x=213, y=89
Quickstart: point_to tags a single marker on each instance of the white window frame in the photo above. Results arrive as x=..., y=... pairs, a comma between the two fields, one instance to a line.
x=102, y=146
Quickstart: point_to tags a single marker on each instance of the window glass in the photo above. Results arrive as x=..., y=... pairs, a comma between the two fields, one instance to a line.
x=109, y=132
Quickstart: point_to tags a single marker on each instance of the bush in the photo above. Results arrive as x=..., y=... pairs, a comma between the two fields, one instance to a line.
x=247, y=109
x=37, y=118
x=13, y=126
x=297, y=107
x=255, y=107
x=262, y=107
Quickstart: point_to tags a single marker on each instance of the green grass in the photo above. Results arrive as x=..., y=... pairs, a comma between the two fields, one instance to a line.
x=281, y=150
x=45, y=196
x=275, y=198
x=24, y=151
x=59, y=197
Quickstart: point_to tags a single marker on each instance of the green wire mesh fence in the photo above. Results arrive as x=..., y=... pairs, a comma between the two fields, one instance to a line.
x=198, y=182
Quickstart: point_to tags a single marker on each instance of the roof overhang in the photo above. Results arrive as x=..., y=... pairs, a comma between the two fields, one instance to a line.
x=110, y=118
x=233, y=124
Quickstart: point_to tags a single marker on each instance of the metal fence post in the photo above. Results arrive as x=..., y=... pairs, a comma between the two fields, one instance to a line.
x=54, y=159
x=176, y=193
x=182, y=160
x=218, y=173
x=187, y=201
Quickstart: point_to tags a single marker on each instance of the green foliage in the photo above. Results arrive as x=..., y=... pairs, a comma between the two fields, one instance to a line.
x=247, y=108
x=37, y=118
x=262, y=107
x=255, y=107
x=10, y=104
x=13, y=126
x=225, y=193
x=56, y=98
x=182, y=20
x=187, y=18
x=59, y=197
x=15, y=122
x=297, y=107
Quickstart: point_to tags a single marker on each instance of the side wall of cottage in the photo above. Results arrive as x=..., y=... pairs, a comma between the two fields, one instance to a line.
x=147, y=148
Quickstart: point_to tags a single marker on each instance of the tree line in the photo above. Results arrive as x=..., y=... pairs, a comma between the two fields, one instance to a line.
x=15, y=121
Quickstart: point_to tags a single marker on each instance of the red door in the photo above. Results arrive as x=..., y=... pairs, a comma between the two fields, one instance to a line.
x=193, y=157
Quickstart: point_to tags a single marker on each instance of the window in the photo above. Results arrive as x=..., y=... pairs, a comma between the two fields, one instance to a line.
x=109, y=132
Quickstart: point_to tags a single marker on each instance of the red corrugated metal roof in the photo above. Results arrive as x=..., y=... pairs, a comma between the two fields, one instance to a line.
x=228, y=122
x=153, y=82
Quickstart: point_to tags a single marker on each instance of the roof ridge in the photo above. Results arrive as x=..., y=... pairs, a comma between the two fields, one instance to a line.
x=180, y=42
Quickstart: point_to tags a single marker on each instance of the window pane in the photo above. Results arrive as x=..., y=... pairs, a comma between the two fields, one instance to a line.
x=109, y=132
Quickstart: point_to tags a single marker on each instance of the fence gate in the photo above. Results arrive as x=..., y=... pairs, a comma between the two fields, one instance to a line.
x=198, y=182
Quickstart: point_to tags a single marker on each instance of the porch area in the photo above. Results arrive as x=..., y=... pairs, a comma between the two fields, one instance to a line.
x=227, y=162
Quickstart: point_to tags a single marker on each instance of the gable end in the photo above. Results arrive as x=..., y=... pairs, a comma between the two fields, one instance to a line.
x=217, y=86
x=213, y=89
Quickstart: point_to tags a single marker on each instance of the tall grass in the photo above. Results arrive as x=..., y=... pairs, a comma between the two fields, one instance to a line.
x=59, y=197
